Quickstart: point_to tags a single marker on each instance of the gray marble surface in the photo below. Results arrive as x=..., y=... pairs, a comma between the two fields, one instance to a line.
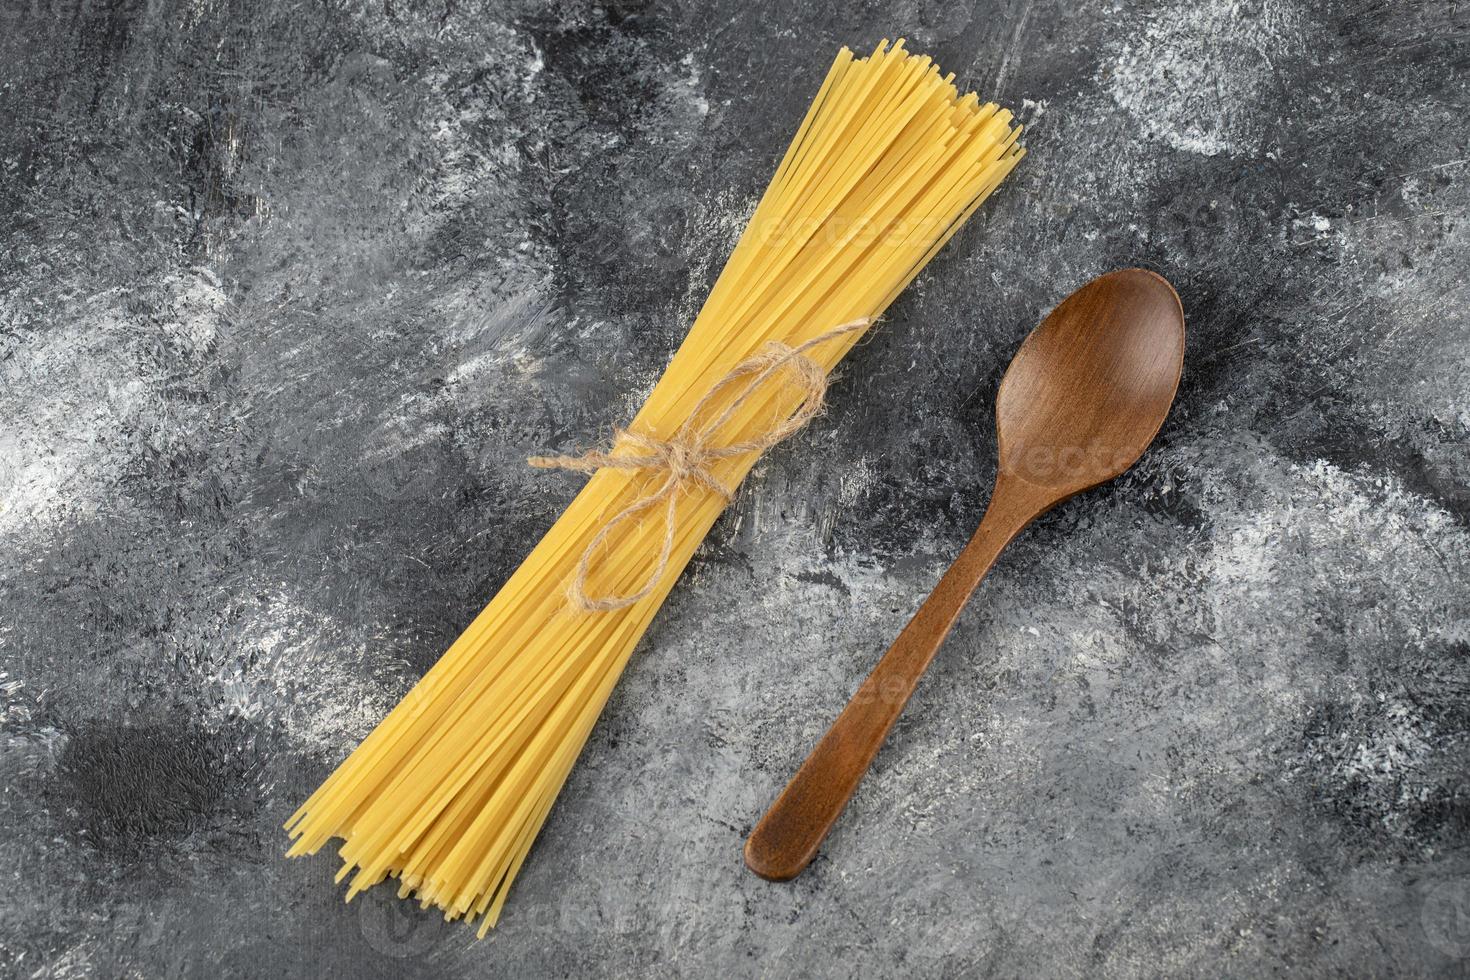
x=289, y=289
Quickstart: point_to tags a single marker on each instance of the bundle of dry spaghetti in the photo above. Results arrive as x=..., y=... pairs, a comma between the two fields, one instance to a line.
x=448, y=793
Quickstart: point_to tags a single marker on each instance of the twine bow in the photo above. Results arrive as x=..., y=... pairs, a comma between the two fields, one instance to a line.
x=687, y=458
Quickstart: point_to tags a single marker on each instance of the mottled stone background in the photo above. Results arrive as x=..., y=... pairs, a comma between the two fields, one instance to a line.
x=288, y=290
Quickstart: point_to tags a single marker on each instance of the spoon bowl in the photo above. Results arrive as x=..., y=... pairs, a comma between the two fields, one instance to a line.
x=1082, y=399
x=1090, y=387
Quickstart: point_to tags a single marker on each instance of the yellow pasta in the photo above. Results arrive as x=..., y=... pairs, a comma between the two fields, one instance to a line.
x=448, y=793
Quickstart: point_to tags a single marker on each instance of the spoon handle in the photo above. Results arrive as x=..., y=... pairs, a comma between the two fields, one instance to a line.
x=787, y=837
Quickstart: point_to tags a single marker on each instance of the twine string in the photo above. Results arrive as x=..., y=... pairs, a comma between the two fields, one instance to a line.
x=688, y=457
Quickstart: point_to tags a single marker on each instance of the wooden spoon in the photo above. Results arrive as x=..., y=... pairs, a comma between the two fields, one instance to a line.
x=1084, y=396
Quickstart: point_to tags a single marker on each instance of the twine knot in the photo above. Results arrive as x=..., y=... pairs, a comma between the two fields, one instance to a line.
x=688, y=457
